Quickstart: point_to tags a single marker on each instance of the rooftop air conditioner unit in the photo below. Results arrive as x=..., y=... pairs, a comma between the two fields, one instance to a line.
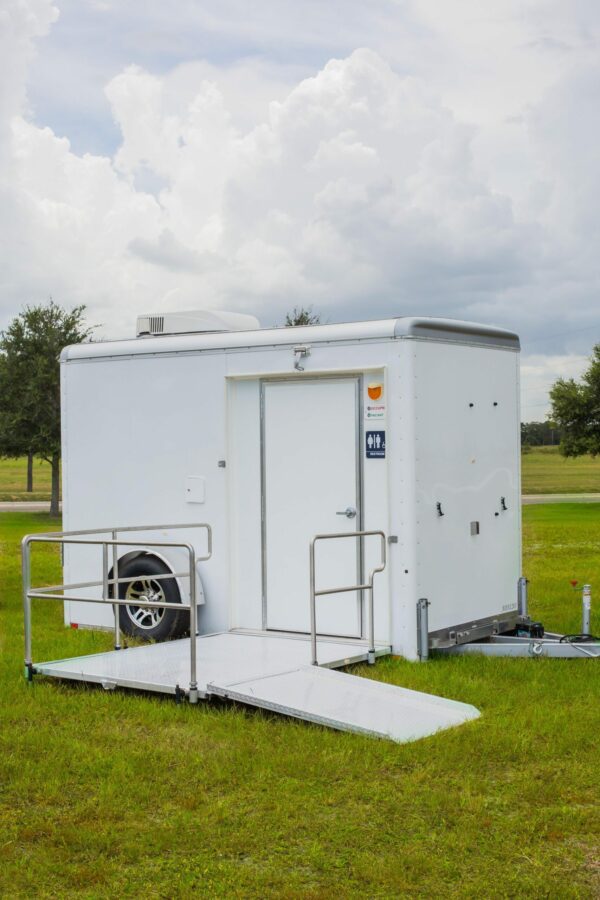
x=194, y=322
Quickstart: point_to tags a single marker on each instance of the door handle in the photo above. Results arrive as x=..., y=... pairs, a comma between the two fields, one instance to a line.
x=349, y=512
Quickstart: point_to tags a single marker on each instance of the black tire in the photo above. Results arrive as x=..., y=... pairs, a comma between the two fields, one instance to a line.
x=151, y=624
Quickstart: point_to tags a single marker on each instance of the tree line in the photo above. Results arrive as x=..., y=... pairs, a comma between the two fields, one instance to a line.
x=540, y=434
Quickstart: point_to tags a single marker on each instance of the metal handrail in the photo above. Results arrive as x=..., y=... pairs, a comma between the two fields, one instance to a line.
x=83, y=537
x=341, y=590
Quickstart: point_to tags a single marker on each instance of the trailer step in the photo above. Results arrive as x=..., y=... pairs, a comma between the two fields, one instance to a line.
x=349, y=703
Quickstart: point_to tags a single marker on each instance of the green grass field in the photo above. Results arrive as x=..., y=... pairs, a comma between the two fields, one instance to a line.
x=13, y=480
x=116, y=794
x=545, y=471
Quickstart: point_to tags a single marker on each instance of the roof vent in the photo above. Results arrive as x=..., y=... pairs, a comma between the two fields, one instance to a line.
x=198, y=321
x=156, y=324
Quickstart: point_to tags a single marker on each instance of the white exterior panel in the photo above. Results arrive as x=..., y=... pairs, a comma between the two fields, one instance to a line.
x=169, y=430
x=467, y=458
x=135, y=432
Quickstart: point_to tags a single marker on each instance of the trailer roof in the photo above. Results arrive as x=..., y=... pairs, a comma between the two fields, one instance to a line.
x=405, y=328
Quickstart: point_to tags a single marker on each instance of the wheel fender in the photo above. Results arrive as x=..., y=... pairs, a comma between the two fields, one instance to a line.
x=181, y=582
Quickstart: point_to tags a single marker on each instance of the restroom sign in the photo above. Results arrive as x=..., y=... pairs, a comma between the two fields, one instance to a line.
x=375, y=444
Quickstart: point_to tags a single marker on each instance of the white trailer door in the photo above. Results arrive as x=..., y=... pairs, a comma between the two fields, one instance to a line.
x=310, y=473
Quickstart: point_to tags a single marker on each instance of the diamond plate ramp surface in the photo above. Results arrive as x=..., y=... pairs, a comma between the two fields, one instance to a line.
x=349, y=703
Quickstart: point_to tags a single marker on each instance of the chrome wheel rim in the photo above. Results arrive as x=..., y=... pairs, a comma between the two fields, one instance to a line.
x=150, y=591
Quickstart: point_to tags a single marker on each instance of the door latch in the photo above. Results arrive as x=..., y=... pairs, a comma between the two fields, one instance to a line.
x=349, y=512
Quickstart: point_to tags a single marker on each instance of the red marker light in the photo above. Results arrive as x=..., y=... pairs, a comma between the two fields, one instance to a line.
x=75, y=625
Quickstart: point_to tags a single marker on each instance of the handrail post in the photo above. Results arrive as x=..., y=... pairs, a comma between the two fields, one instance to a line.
x=358, y=587
x=373, y=573
x=115, y=558
x=105, y=569
x=193, y=696
x=313, y=603
x=371, y=650
x=26, y=579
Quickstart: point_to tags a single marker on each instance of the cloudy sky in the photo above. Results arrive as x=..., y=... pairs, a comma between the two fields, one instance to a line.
x=369, y=159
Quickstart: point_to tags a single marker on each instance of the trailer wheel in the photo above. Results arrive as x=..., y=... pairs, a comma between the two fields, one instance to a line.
x=150, y=624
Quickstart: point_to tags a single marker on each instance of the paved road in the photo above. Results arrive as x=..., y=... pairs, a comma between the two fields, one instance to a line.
x=25, y=505
x=560, y=498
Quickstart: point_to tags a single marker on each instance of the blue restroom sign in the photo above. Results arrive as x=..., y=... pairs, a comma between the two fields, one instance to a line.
x=375, y=444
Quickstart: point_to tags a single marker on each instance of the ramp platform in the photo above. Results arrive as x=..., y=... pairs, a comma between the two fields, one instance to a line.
x=271, y=671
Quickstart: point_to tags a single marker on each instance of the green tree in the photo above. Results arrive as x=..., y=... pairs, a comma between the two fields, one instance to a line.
x=30, y=383
x=576, y=410
x=301, y=315
x=13, y=443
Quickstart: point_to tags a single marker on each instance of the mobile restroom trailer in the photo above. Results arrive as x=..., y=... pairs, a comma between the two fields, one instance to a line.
x=408, y=426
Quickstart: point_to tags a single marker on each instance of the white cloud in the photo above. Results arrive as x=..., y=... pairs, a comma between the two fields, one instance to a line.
x=355, y=183
x=538, y=374
x=461, y=181
x=20, y=24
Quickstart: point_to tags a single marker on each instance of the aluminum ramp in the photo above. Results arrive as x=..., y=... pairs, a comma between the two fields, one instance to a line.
x=271, y=672
x=350, y=703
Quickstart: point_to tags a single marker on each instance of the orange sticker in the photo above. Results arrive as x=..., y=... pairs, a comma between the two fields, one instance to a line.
x=375, y=391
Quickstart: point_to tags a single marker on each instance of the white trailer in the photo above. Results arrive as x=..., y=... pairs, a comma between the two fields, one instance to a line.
x=409, y=426
x=406, y=426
